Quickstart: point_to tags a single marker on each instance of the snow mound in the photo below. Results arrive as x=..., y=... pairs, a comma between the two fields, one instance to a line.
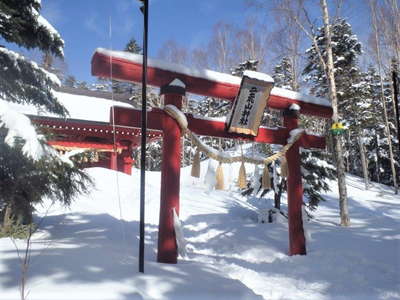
x=90, y=250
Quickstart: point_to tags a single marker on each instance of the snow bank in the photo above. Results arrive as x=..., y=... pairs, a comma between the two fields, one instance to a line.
x=90, y=250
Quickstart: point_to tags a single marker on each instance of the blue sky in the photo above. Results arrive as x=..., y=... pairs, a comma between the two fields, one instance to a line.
x=84, y=25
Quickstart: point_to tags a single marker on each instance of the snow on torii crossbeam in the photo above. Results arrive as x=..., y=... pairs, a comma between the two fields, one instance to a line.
x=128, y=67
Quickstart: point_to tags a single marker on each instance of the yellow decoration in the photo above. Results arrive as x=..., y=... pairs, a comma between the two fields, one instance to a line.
x=196, y=165
x=284, y=168
x=220, y=178
x=180, y=118
x=266, y=179
x=337, y=128
x=242, y=177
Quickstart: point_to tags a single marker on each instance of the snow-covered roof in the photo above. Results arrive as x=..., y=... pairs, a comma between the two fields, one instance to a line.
x=79, y=107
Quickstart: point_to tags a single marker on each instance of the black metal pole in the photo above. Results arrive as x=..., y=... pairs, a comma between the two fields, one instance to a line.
x=396, y=103
x=145, y=10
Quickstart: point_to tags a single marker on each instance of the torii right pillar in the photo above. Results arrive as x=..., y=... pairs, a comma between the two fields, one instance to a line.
x=297, y=242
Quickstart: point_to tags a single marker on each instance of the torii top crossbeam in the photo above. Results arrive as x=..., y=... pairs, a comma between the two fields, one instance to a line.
x=127, y=66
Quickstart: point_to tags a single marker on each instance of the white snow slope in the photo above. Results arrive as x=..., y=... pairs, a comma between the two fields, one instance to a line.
x=90, y=250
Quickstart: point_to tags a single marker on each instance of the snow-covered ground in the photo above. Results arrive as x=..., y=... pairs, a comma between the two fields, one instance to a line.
x=90, y=250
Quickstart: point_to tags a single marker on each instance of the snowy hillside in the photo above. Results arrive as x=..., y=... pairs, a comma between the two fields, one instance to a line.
x=90, y=250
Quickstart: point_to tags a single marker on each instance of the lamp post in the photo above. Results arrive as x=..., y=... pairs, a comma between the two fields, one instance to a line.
x=145, y=10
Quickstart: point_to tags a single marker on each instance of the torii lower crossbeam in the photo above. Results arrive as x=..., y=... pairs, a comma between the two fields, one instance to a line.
x=159, y=120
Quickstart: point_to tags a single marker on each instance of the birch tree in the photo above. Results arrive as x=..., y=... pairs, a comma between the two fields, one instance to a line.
x=377, y=48
x=329, y=68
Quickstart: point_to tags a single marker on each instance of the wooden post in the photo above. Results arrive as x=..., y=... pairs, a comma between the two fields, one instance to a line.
x=297, y=243
x=170, y=178
x=126, y=162
x=113, y=161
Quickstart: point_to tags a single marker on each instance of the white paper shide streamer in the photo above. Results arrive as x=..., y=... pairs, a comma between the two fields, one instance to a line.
x=180, y=239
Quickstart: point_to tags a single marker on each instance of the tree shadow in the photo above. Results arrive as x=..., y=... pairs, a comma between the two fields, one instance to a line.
x=359, y=261
x=89, y=250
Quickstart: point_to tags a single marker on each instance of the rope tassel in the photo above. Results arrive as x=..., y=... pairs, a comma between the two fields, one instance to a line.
x=284, y=168
x=196, y=165
x=242, y=177
x=220, y=178
x=266, y=179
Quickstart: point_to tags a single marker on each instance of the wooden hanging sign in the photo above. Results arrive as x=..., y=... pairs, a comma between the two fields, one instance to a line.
x=249, y=105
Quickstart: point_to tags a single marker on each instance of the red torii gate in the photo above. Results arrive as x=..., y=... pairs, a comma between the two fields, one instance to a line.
x=128, y=67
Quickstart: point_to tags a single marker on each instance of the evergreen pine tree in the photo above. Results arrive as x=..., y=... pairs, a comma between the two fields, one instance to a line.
x=374, y=130
x=21, y=80
x=250, y=64
x=133, y=47
x=126, y=87
x=315, y=169
x=349, y=83
x=70, y=81
x=346, y=49
x=283, y=74
x=25, y=180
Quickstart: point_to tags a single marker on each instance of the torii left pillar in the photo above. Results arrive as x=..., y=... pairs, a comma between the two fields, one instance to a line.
x=170, y=177
x=297, y=242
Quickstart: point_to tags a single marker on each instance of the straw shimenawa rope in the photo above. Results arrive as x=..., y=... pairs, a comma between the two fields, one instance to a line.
x=221, y=157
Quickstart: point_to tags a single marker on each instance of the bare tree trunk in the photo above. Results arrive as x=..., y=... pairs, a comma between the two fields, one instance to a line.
x=348, y=152
x=343, y=203
x=7, y=219
x=379, y=59
x=363, y=162
x=392, y=89
x=377, y=166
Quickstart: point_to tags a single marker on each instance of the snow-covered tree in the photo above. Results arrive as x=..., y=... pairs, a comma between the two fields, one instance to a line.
x=315, y=165
x=346, y=49
x=21, y=80
x=70, y=81
x=373, y=128
x=126, y=87
x=316, y=171
x=283, y=74
x=29, y=170
x=332, y=71
x=249, y=64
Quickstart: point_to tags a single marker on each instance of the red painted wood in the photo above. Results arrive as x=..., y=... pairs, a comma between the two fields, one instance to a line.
x=128, y=71
x=124, y=116
x=170, y=182
x=125, y=70
x=113, y=161
x=79, y=130
x=128, y=162
x=89, y=145
x=265, y=135
x=297, y=243
x=312, y=141
x=278, y=102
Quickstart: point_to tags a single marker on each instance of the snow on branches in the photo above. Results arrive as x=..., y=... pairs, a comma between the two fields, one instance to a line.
x=19, y=126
